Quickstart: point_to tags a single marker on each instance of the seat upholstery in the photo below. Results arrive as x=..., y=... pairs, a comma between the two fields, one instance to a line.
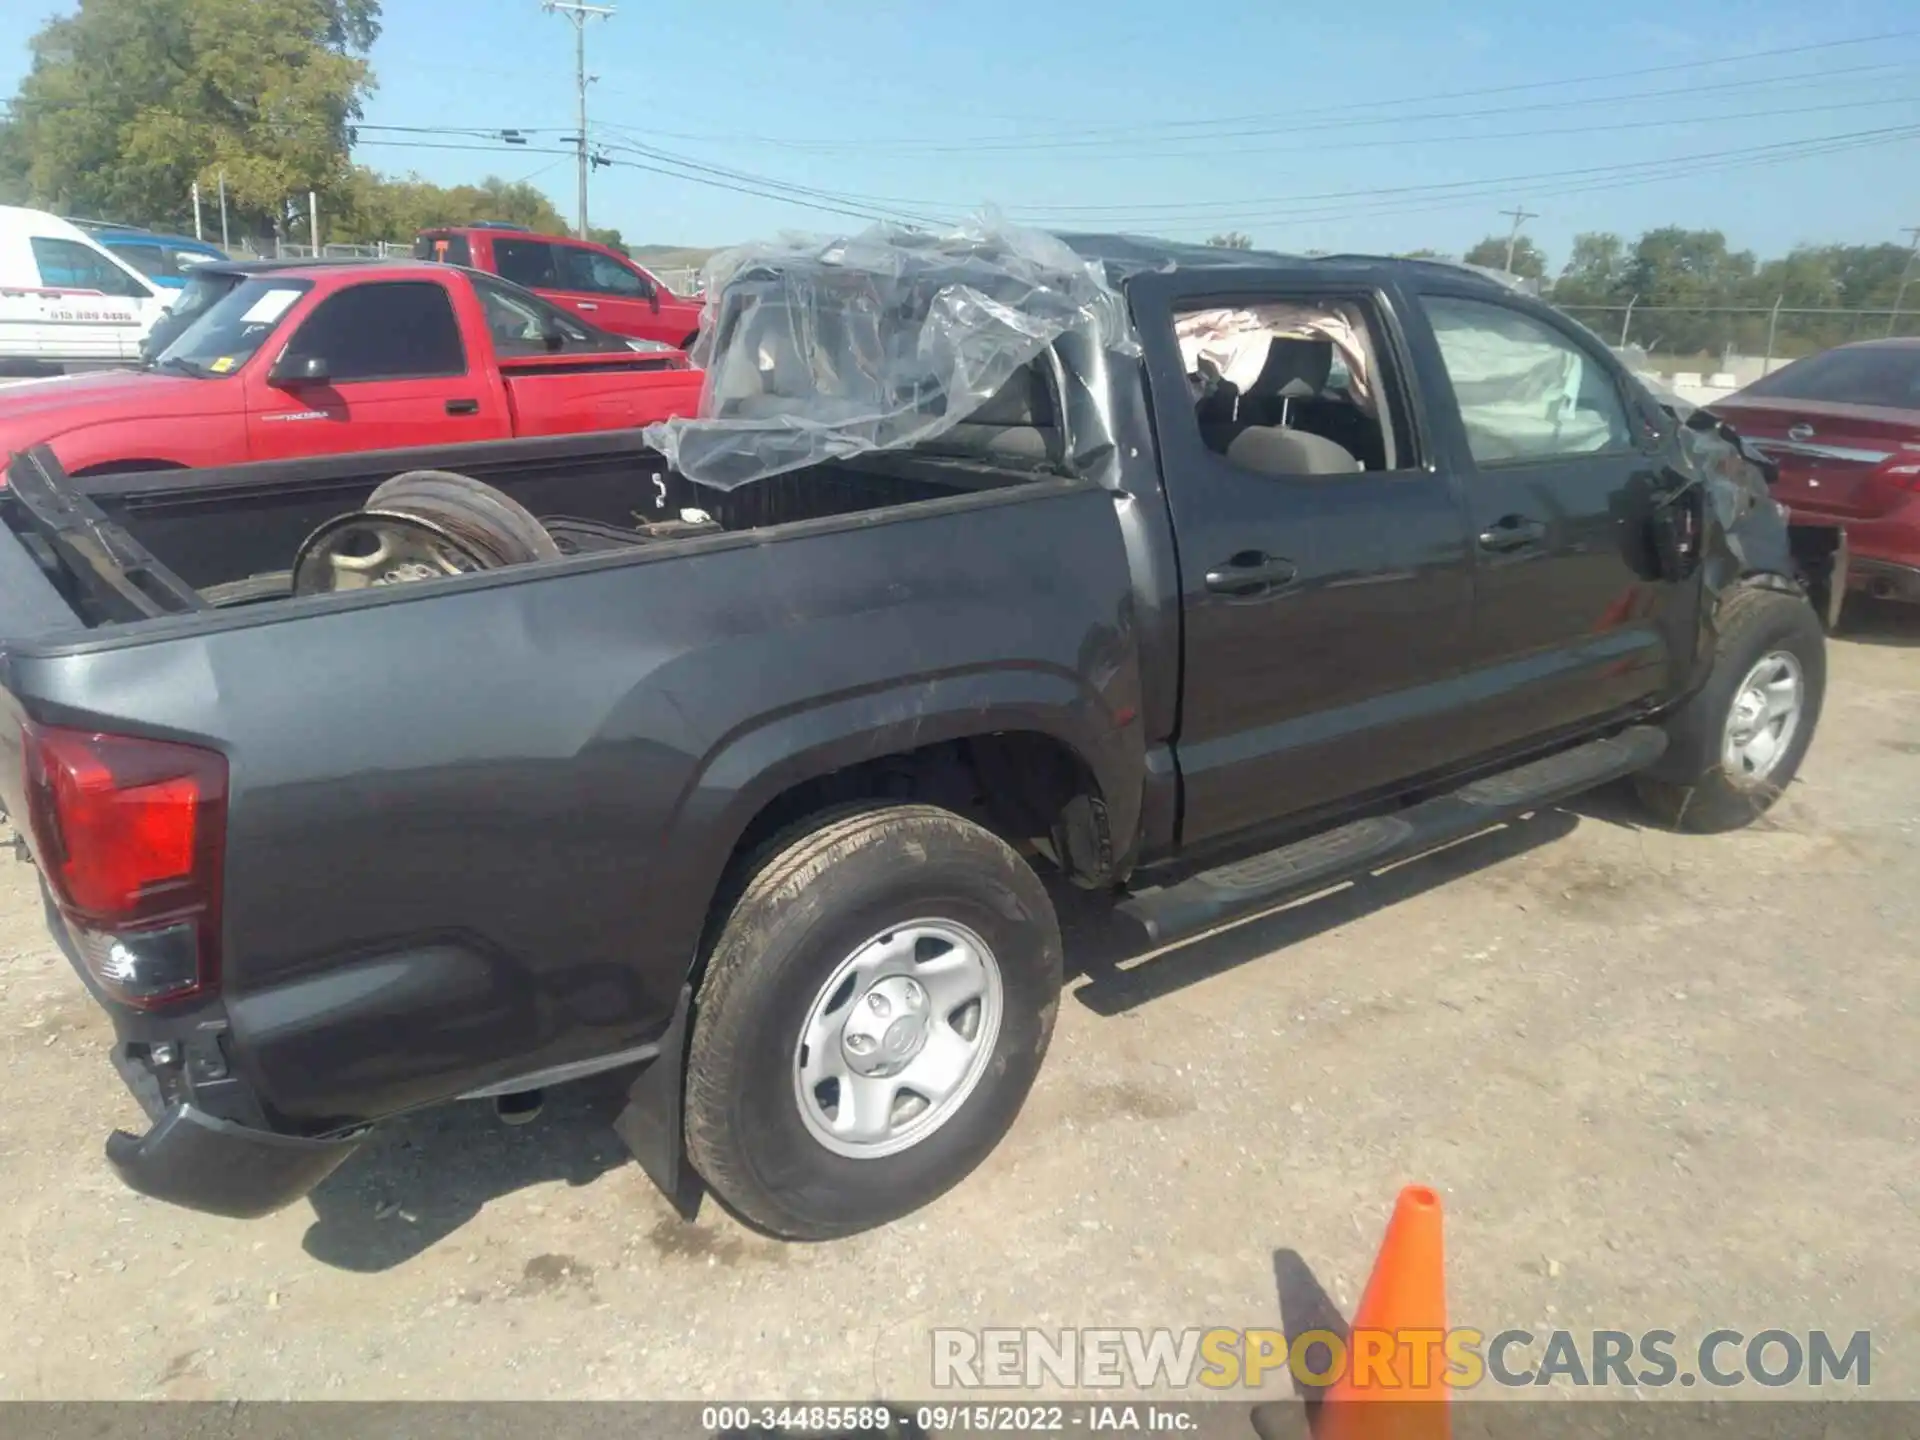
x=1016, y=422
x=1269, y=450
x=1258, y=438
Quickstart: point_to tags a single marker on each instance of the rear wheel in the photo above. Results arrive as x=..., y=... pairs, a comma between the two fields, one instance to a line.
x=1738, y=743
x=874, y=1011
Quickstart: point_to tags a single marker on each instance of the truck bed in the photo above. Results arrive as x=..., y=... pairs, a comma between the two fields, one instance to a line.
x=214, y=530
x=465, y=815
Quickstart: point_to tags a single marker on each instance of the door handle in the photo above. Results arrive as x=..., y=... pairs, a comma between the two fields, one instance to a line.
x=463, y=407
x=1512, y=532
x=585, y=305
x=1250, y=575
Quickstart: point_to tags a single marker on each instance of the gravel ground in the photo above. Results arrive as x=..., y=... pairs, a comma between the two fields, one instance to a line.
x=1662, y=1082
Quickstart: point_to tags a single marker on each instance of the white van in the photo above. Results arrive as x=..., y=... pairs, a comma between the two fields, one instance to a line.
x=65, y=303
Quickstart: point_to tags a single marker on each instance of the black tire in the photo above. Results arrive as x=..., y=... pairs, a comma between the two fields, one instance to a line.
x=810, y=904
x=1692, y=788
x=474, y=510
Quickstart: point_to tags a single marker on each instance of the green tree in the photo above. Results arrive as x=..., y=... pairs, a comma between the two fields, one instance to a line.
x=1231, y=240
x=1529, y=263
x=128, y=102
x=609, y=237
x=369, y=206
x=14, y=189
x=1594, y=272
x=1673, y=266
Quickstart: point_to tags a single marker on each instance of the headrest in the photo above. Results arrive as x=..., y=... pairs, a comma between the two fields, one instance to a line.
x=1295, y=369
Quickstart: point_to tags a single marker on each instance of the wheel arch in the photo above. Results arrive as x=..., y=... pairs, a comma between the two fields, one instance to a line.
x=1033, y=754
x=127, y=467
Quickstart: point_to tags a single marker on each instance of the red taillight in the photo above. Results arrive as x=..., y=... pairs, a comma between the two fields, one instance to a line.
x=130, y=833
x=1903, y=470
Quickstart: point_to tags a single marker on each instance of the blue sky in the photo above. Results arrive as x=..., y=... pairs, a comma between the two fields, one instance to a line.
x=1383, y=126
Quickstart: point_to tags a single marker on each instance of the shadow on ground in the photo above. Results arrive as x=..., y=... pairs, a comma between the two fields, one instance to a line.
x=1879, y=622
x=420, y=1179
x=1121, y=972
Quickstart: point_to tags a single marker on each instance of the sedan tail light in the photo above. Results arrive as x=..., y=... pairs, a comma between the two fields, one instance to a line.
x=130, y=834
x=1902, y=468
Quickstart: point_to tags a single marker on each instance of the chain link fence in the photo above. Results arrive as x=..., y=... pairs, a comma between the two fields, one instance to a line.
x=1744, y=341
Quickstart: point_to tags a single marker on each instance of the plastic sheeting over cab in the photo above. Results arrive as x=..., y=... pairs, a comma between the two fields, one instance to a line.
x=823, y=349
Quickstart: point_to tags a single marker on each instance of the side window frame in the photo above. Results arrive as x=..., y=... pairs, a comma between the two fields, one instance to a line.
x=453, y=317
x=485, y=285
x=643, y=288
x=129, y=287
x=1397, y=381
x=1594, y=353
x=507, y=242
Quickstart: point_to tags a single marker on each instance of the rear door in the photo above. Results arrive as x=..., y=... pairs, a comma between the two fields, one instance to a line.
x=615, y=296
x=1326, y=615
x=1562, y=468
x=396, y=374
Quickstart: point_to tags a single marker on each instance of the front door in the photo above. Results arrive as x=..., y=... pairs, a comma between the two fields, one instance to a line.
x=395, y=374
x=1326, y=583
x=1571, y=620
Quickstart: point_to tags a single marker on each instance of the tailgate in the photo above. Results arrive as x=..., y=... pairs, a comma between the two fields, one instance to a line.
x=64, y=567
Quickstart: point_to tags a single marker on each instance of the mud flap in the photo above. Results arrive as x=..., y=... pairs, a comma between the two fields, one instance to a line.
x=652, y=1122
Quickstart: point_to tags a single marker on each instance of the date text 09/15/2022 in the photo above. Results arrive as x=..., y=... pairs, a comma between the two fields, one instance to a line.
x=983, y=1418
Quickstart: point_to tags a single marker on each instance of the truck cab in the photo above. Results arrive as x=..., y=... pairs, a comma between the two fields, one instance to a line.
x=593, y=281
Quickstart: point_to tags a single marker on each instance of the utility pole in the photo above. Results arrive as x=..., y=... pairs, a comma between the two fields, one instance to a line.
x=579, y=13
x=1906, y=275
x=1520, y=217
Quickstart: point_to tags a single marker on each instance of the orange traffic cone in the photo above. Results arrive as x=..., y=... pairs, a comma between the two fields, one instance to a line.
x=1395, y=1349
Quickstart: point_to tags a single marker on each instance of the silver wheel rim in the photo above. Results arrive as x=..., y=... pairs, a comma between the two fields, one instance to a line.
x=1764, y=718
x=897, y=1038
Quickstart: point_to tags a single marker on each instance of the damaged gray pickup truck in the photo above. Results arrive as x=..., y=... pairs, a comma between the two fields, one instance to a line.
x=747, y=755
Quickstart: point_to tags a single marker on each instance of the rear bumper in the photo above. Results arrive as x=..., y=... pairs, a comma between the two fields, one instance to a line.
x=190, y=1156
x=199, y=1161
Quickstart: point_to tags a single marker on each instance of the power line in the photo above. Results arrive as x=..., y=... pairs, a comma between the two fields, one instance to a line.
x=761, y=193
x=651, y=152
x=1887, y=71
x=1406, y=200
x=1246, y=206
x=1135, y=209
x=1045, y=139
x=1305, y=208
x=1348, y=122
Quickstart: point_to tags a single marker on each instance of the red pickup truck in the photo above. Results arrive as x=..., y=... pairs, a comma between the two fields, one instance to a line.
x=595, y=282
x=283, y=360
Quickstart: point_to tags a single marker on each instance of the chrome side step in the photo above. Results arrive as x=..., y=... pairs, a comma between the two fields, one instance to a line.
x=1261, y=882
